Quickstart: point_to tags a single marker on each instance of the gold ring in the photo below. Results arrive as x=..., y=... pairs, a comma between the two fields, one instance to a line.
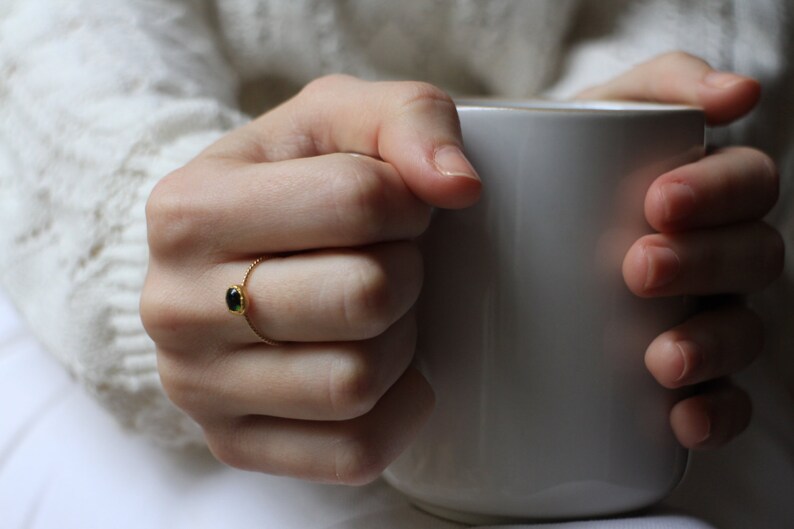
x=238, y=302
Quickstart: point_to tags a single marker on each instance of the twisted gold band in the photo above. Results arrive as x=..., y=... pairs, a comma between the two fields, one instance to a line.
x=238, y=303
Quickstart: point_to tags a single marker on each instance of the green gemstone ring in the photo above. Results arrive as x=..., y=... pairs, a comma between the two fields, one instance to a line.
x=237, y=302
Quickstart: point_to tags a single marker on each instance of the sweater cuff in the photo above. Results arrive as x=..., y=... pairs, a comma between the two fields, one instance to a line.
x=91, y=319
x=120, y=369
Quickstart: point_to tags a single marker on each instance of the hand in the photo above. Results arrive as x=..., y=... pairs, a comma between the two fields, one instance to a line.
x=334, y=184
x=711, y=241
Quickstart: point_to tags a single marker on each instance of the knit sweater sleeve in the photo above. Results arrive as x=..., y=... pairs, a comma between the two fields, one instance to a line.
x=98, y=100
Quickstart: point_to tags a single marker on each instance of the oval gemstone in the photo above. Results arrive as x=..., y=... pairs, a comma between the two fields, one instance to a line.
x=235, y=300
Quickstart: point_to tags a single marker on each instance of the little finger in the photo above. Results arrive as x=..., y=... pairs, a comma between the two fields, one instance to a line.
x=352, y=452
x=711, y=418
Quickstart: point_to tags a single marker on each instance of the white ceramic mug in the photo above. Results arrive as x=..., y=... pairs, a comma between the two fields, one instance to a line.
x=528, y=334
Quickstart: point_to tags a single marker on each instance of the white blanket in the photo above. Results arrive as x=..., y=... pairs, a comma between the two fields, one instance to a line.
x=66, y=464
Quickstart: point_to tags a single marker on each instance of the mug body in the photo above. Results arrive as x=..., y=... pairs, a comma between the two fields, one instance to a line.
x=527, y=332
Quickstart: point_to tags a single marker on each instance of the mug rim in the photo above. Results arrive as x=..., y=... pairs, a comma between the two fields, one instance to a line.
x=578, y=106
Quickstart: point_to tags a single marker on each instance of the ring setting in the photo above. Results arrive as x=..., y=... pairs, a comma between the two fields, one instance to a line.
x=238, y=302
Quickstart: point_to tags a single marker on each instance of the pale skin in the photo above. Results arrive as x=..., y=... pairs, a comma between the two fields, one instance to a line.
x=335, y=185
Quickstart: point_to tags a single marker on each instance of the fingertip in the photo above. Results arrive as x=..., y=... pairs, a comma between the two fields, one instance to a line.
x=649, y=267
x=665, y=360
x=726, y=96
x=711, y=419
x=456, y=183
x=450, y=161
x=447, y=191
x=692, y=423
x=463, y=193
x=670, y=201
x=439, y=176
x=634, y=266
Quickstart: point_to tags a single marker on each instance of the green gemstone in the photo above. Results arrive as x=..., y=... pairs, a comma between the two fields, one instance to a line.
x=235, y=300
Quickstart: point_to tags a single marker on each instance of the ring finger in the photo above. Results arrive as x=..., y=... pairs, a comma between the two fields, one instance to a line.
x=353, y=452
x=320, y=296
x=333, y=295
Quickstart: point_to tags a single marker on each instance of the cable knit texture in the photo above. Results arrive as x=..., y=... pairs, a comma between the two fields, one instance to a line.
x=99, y=100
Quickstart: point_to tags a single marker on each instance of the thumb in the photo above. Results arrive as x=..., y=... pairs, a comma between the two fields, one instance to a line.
x=412, y=126
x=681, y=78
x=423, y=141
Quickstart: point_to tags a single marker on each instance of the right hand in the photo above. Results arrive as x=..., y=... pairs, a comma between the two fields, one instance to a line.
x=334, y=184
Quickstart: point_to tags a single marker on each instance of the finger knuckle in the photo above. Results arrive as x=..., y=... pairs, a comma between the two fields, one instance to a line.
x=166, y=315
x=417, y=93
x=367, y=302
x=158, y=312
x=321, y=86
x=173, y=217
x=676, y=57
x=358, y=460
x=362, y=203
x=228, y=444
x=352, y=385
x=178, y=381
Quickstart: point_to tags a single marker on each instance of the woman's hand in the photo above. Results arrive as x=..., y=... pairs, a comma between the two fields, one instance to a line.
x=335, y=184
x=711, y=241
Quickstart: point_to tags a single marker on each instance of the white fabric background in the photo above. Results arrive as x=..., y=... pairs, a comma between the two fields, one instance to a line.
x=66, y=464
x=96, y=102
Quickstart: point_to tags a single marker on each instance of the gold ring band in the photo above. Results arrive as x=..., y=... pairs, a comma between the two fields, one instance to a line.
x=238, y=302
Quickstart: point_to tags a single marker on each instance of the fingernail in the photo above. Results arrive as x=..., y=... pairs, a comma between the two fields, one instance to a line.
x=704, y=431
x=722, y=80
x=679, y=201
x=663, y=266
x=450, y=161
x=691, y=358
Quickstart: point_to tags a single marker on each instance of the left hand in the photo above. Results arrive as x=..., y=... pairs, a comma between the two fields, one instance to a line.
x=711, y=241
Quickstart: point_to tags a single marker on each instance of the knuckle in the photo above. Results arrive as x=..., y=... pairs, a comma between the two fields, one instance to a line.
x=166, y=316
x=367, y=303
x=413, y=93
x=362, y=204
x=358, y=460
x=677, y=57
x=352, y=385
x=227, y=445
x=324, y=84
x=178, y=381
x=172, y=216
x=158, y=314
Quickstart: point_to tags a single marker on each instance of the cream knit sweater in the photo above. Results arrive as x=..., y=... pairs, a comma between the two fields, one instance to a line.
x=99, y=99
